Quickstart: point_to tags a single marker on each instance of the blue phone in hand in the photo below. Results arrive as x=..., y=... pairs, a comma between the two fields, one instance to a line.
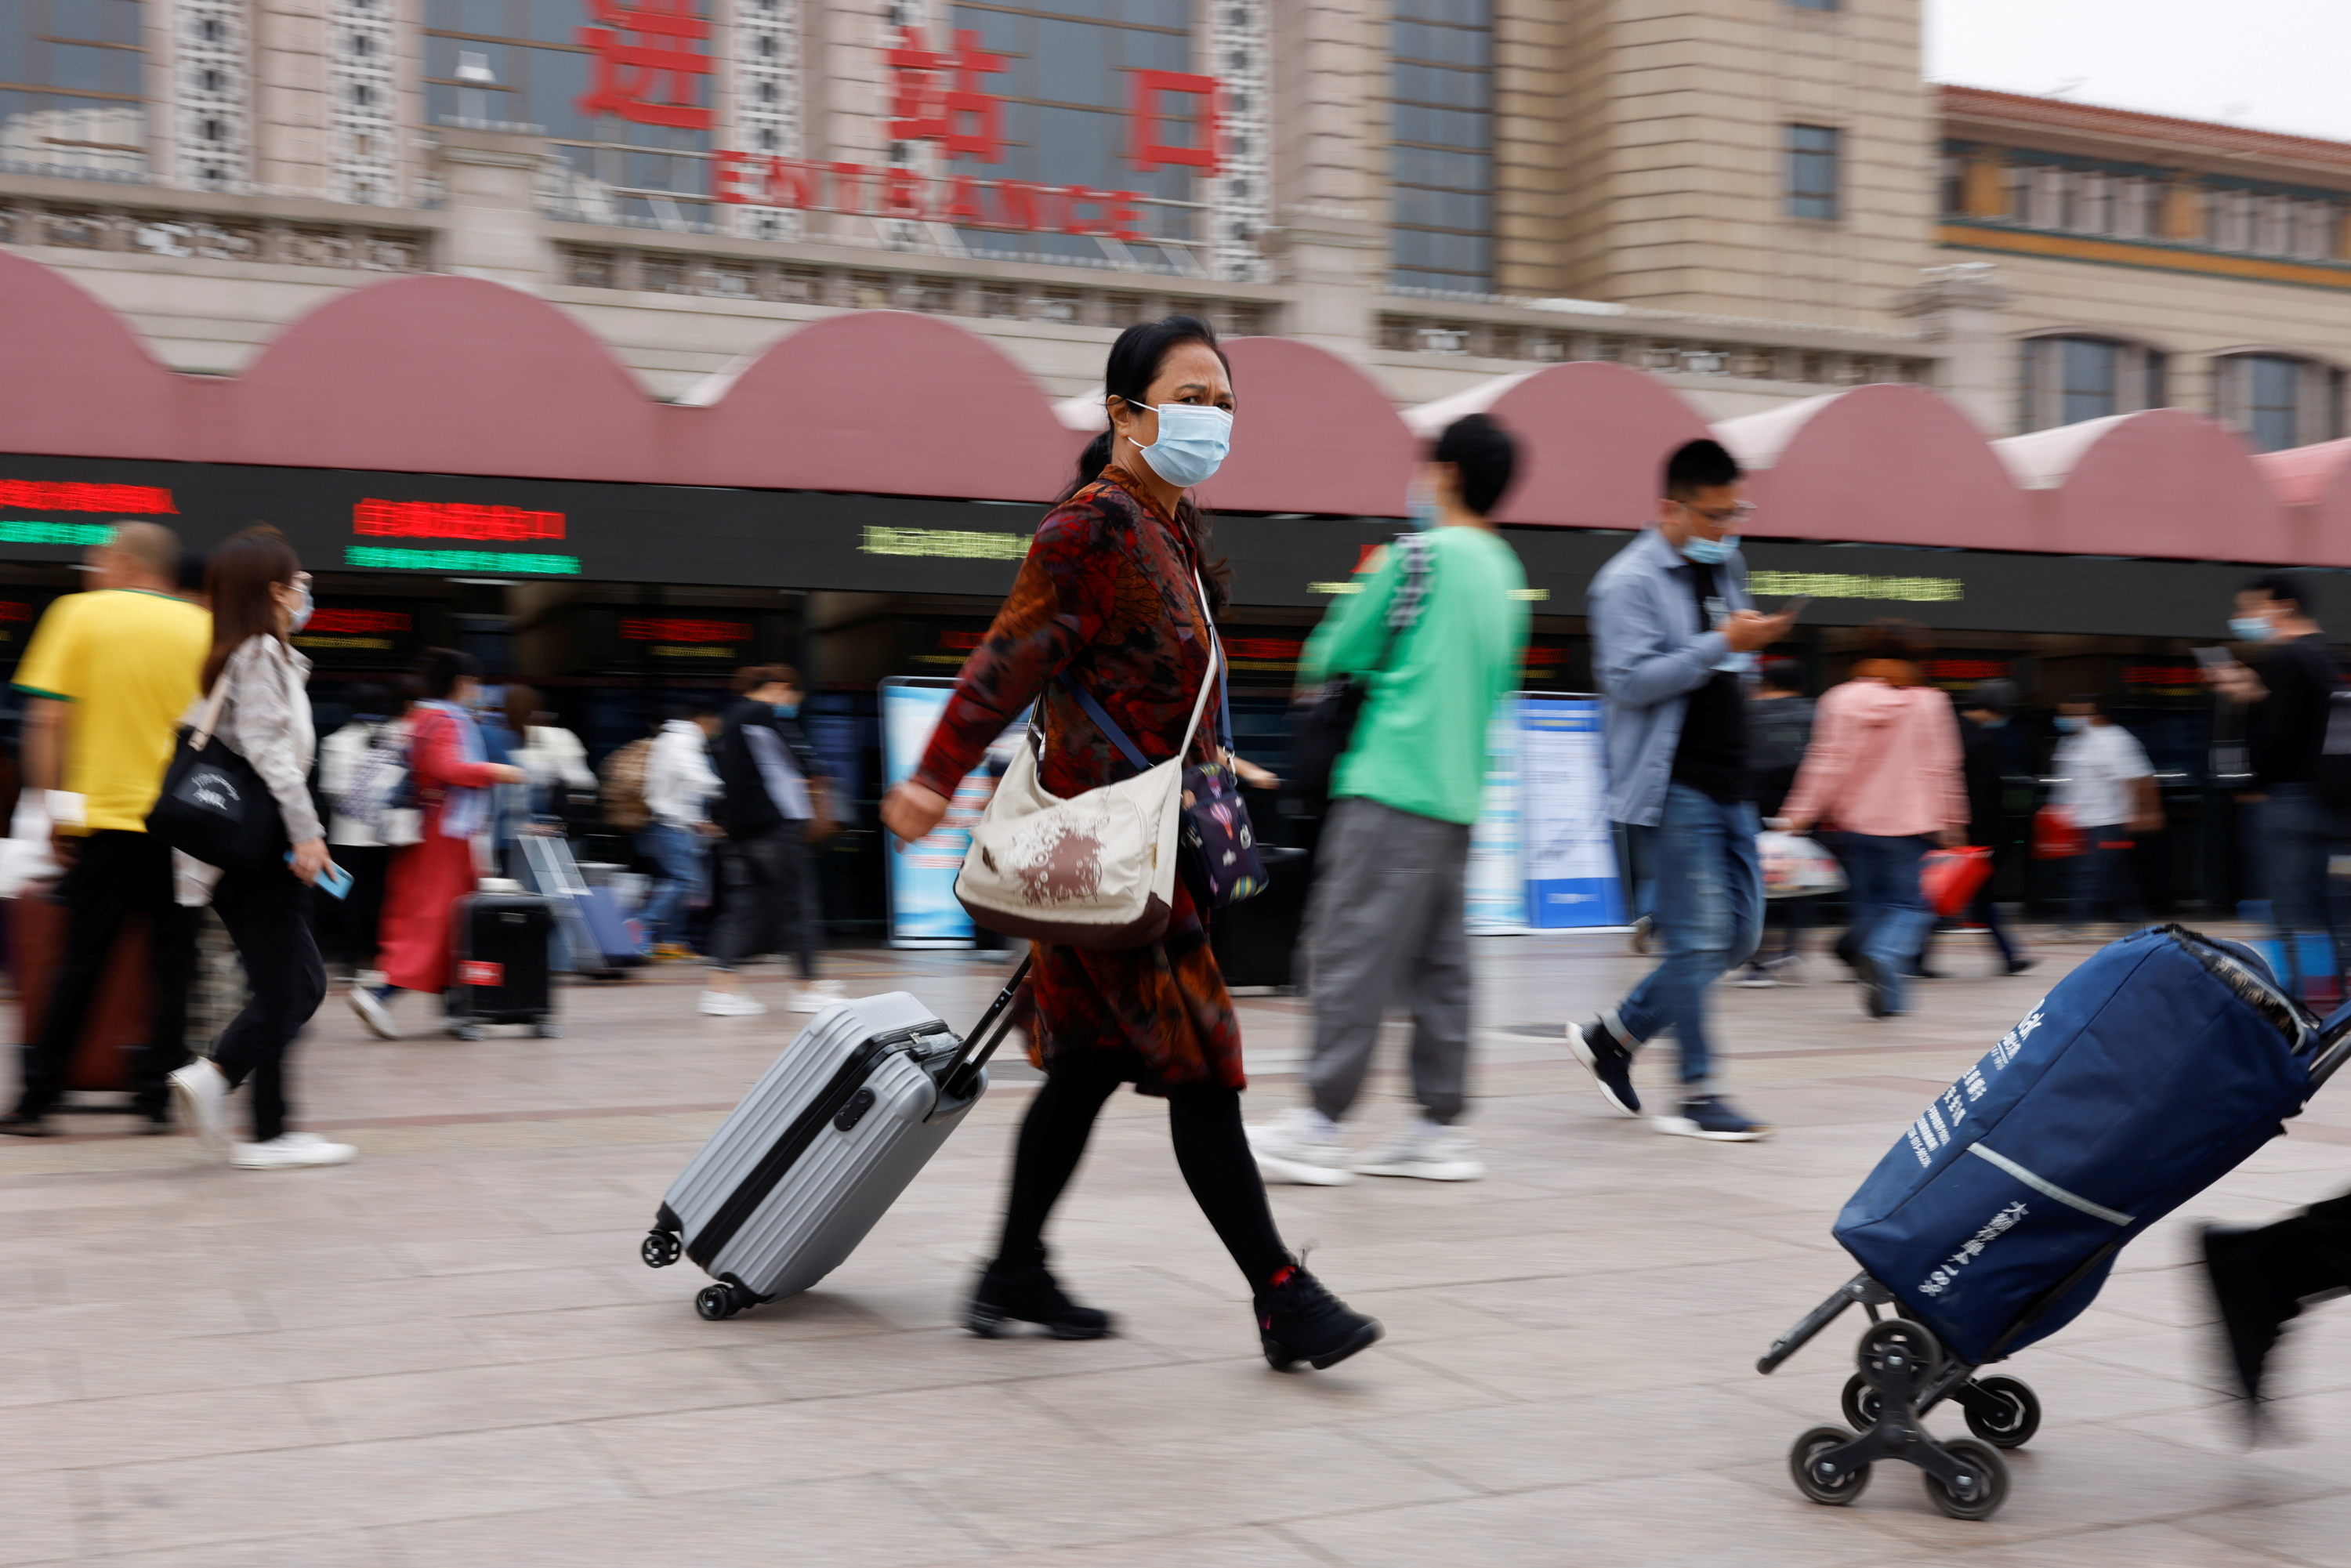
x=335, y=880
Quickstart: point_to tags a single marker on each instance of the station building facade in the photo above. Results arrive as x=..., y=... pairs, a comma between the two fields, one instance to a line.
x=624, y=340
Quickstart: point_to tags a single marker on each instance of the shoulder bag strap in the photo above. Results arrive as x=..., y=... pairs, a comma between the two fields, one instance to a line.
x=209, y=721
x=1103, y=722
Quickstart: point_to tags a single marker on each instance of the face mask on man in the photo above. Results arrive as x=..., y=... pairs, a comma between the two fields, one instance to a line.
x=1193, y=440
x=2248, y=628
x=2068, y=723
x=1708, y=552
x=786, y=710
x=1422, y=511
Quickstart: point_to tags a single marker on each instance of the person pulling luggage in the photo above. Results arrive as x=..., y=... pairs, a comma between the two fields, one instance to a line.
x=1109, y=594
x=1388, y=910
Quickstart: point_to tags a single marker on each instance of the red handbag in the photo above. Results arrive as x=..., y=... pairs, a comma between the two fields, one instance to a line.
x=2055, y=835
x=1951, y=879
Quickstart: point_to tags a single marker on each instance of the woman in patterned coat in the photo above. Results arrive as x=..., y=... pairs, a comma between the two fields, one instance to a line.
x=1108, y=597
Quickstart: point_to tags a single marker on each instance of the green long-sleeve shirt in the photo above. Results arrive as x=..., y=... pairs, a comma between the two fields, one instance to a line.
x=1420, y=743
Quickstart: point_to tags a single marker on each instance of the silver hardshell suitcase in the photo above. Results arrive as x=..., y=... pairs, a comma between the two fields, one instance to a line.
x=823, y=1146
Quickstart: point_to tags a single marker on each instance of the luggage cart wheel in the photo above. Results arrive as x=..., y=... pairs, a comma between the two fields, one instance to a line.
x=1979, y=1464
x=467, y=1031
x=1862, y=1404
x=661, y=1249
x=717, y=1301
x=1834, y=1485
x=2003, y=1411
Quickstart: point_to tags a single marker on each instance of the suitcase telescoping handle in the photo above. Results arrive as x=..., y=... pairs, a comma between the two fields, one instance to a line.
x=964, y=1071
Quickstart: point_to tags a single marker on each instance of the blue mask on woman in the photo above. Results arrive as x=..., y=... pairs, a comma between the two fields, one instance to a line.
x=2249, y=629
x=2068, y=723
x=786, y=710
x=1709, y=552
x=1193, y=440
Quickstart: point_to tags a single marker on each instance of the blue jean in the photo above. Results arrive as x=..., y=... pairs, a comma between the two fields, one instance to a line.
x=683, y=856
x=2299, y=835
x=1709, y=909
x=2102, y=876
x=1890, y=917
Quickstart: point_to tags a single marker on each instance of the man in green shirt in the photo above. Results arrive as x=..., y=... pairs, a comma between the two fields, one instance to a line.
x=1438, y=643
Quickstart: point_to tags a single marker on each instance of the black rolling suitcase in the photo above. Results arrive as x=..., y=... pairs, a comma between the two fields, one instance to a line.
x=1256, y=941
x=497, y=968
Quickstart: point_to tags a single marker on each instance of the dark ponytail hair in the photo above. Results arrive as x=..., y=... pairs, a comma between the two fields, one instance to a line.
x=1135, y=360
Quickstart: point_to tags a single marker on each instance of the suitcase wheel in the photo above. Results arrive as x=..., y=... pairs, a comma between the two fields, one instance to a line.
x=660, y=1249
x=548, y=1030
x=717, y=1301
x=465, y=1030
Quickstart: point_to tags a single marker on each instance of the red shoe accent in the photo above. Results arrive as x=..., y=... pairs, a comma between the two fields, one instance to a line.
x=1281, y=1277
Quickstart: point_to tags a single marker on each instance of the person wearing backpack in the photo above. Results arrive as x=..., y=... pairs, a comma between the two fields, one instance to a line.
x=365, y=823
x=2289, y=692
x=622, y=786
x=1437, y=642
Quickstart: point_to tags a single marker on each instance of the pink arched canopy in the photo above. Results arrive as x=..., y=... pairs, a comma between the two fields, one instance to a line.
x=2163, y=483
x=1311, y=434
x=444, y=374
x=1891, y=463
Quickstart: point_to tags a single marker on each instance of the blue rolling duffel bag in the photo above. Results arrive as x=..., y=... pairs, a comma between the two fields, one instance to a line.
x=2143, y=1077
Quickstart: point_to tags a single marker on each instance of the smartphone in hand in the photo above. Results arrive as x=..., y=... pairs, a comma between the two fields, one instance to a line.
x=335, y=880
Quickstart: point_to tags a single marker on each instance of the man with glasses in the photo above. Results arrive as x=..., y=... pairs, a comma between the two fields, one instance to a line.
x=1674, y=639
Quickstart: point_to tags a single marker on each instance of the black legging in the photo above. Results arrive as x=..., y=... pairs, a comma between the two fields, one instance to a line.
x=1204, y=1122
x=265, y=915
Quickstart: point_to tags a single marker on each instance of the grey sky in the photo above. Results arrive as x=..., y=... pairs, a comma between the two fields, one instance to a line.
x=2273, y=64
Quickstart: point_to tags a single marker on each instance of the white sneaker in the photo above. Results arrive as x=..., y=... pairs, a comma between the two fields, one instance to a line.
x=1302, y=1148
x=1755, y=978
x=731, y=1005
x=372, y=1013
x=818, y=995
x=289, y=1150
x=1427, y=1150
x=201, y=1092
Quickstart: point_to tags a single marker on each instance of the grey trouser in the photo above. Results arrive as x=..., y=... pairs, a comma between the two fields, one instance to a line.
x=1386, y=921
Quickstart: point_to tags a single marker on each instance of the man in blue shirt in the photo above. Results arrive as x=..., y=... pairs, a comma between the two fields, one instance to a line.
x=1674, y=639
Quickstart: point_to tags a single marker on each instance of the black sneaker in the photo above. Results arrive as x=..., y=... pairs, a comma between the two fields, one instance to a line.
x=1298, y=1319
x=2018, y=966
x=1029, y=1295
x=2252, y=1316
x=1710, y=1116
x=17, y=1123
x=1873, y=992
x=1611, y=1062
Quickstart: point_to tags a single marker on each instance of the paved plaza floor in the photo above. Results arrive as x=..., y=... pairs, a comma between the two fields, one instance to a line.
x=448, y=1352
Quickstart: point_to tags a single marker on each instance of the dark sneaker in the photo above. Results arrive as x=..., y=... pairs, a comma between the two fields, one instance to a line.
x=1710, y=1116
x=1298, y=1319
x=1644, y=934
x=18, y=1125
x=1029, y=1295
x=1873, y=989
x=2251, y=1315
x=1611, y=1062
x=2018, y=966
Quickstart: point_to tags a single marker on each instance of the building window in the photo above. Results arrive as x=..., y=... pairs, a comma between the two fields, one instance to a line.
x=70, y=88
x=1442, y=141
x=521, y=62
x=2069, y=378
x=1065, y=92
x=1812, y=159
x=2279, y=400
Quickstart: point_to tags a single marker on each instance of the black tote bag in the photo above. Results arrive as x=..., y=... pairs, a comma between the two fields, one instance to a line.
x=214, y=805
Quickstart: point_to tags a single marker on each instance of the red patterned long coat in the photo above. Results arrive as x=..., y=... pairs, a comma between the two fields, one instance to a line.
x=1106, y=594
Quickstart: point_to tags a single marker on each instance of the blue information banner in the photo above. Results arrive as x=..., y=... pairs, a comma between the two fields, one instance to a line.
x=1570, y=845
x=923, y=912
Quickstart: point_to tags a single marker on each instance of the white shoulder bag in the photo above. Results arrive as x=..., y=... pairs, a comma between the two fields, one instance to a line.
x=1097, y=870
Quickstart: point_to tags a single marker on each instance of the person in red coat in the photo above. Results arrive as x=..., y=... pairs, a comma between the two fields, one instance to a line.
x=453, y=781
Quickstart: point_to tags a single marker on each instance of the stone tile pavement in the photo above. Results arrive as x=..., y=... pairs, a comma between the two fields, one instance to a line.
x=448, y=1352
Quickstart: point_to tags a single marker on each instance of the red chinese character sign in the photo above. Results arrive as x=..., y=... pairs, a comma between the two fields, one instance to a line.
x=638, y=50
x=936, y=97
x=1151, y=150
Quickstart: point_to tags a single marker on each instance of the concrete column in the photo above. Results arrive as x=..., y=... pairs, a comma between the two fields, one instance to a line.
x=1329, y=242
x=490, y=180
x=1961, y=307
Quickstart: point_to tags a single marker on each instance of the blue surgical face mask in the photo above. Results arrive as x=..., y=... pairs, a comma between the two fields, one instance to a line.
x=2249, y=629
x=1425, y=513
x=2067, y=724
x=1193, y=440
x=786, y=710
x=1709, y=552
x=301, y=613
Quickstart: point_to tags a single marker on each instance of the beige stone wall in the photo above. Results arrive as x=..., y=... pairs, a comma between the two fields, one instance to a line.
x=290, y=109
x=1670, y=125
